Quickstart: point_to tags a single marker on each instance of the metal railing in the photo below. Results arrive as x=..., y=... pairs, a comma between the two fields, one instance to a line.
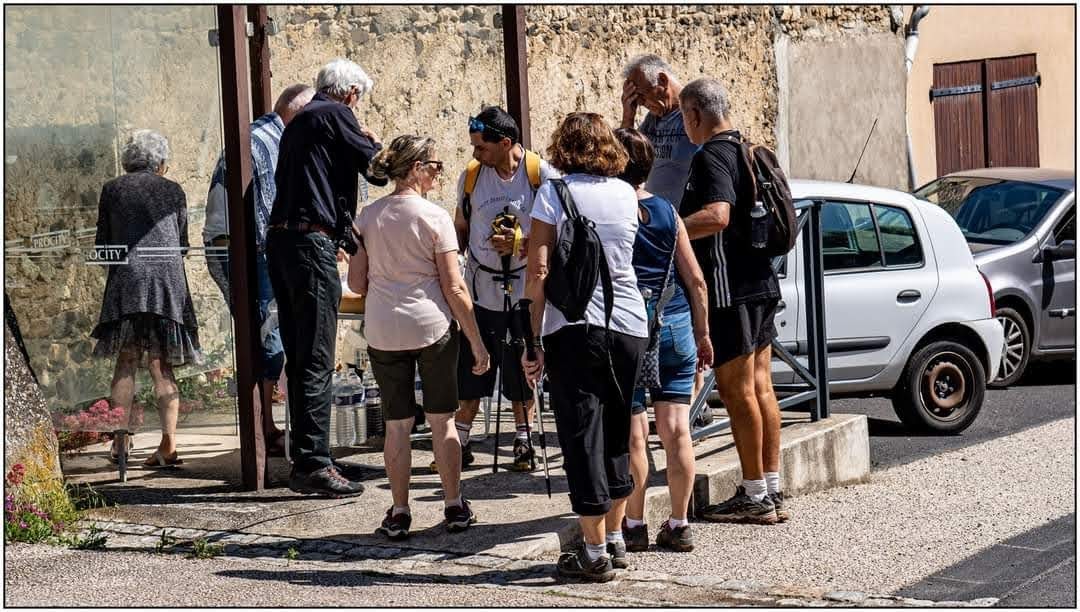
x=812, y=393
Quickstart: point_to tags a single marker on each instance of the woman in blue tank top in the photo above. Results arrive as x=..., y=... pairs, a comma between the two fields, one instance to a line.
x=663, y=256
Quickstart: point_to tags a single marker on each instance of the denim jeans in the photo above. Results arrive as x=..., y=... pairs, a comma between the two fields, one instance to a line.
x=303, y=272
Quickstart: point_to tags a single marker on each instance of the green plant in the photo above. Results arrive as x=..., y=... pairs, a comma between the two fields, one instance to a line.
x=202, y=549
x=292, y=554
x=165, y=542
x=85, y=497
x=94, y=539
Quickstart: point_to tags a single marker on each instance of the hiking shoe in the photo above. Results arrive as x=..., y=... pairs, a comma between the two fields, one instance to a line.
x=782, y=515
x=678, y=539
x=395, y=526
x=741, y=509
x=467, y=458
x=617, y=551
x=637, y=538
x=576, y=564
x=325, y=481
x=524, y=456
x=458, y=518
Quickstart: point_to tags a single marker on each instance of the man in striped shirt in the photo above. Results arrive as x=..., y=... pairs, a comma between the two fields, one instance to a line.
x=743, y=296
x=265, y=139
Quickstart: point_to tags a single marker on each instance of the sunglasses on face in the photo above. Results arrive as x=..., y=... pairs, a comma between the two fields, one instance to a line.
x=438, y=165
x=475, y=125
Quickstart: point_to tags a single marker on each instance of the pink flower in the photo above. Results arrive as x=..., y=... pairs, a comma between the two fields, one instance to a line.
x=16, y=474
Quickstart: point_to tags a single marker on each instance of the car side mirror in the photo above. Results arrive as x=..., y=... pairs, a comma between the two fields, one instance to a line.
x=1065, y=250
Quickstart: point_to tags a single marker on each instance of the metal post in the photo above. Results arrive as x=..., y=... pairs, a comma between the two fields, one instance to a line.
x=817, y=356
x=259, y=45
x=517, y=68
x=236, y=117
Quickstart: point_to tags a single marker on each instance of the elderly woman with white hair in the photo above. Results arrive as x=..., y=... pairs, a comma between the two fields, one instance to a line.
x=147, y=317
x=323, y=150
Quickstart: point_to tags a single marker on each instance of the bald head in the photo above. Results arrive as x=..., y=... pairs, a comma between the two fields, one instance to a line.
x=292, y=101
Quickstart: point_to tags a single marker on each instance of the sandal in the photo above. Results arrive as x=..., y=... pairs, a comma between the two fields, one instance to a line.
x=157, y=460
x=114, y=454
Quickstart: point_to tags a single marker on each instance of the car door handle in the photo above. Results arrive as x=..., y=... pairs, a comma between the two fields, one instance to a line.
x=1062, y=313
x=908, y=296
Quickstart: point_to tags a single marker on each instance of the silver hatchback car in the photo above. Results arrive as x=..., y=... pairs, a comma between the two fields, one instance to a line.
x=1020, y=224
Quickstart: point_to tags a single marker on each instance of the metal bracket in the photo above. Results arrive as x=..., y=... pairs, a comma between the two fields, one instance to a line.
x=1020, y=82
x=955, y=91
x=272, y=28
x=213, y=38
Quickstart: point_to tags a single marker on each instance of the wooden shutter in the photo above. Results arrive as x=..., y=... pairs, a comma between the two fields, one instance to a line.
x=1012, y=111
x=957, y=99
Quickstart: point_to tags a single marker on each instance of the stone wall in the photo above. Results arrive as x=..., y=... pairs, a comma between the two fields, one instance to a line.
x=433, y=67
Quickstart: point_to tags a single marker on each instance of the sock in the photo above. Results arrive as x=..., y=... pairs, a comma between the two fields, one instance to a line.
x=756, y=489
x=675, y=523
x=453, y=502
x=523, y=431
x=632, y=523
x=401, y=510
x=595, y=551
x=613, y=536
x=463, y=430
x=772, y=481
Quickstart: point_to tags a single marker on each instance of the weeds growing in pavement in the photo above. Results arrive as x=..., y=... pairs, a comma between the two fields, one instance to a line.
x=202, y=549
x=292, y=554
x=165, y=542
x=94, y=539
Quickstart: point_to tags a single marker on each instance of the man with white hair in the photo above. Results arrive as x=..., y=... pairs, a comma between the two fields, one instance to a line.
x=265, y=141
x=743, y=295
x=323, y=153
x=649, y=81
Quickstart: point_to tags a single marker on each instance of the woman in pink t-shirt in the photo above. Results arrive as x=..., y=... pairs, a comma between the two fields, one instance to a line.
x=407, y=267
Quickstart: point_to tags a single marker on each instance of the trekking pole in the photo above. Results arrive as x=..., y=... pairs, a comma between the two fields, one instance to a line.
x=522, y=323
x=507, y=289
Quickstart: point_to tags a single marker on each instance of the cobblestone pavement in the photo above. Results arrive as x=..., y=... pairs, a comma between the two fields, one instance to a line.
x=331, y=572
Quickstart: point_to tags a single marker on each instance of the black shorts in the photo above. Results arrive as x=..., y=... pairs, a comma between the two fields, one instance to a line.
x=492, y=325
x=741, y=329
x=395, y=372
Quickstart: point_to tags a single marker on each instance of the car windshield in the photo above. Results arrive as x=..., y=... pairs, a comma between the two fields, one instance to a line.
x=991, y=211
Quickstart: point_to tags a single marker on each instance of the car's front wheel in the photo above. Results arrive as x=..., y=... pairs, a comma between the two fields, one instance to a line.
x=942, y=388
x=1014, y=355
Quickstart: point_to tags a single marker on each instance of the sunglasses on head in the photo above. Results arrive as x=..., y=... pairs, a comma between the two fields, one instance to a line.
x=475, y=125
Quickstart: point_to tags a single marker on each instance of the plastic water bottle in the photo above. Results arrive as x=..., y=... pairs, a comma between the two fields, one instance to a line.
x=759, y=226
x=373, y=404
x=357, y=408
x=343, y=419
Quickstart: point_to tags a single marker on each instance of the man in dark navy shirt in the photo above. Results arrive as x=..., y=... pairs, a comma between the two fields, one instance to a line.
x=323, y=153
x=743, y=296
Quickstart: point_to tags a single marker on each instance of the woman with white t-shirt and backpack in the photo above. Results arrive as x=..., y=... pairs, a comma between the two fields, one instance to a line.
x=592, y=364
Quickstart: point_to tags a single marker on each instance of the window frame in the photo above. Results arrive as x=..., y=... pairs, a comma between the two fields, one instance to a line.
x=881, y=248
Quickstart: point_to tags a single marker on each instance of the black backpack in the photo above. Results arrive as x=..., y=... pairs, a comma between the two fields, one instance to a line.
x=577, y=263
x=768, y=184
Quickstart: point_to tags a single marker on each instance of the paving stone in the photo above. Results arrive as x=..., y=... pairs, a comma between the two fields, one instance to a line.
x=792, y=603
x=877, y=602
x=845, y=596
x=984, y=602
x=483, y=561
x=736, y=585
x=699, y=581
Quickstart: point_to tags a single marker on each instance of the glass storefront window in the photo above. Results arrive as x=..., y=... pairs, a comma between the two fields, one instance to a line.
x=79, y=82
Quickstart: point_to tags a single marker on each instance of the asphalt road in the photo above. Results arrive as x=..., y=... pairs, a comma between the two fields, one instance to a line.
x=1035, y=569
x=1047, y=394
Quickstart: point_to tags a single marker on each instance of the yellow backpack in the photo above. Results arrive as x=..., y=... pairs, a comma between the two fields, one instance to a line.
x=472, y=173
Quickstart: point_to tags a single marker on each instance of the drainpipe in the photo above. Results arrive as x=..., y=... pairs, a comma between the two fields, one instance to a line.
x=910, y=46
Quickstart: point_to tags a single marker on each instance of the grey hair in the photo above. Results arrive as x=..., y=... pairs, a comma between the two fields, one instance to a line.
x=293, y=99
x=340, y=76
x=145, y=150
x=710, y=95
x=650, y=66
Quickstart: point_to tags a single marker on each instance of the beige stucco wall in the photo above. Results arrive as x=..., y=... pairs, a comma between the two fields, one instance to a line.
x=960, y=33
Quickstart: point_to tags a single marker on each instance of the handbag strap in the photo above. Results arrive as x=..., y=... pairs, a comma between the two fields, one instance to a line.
x=667, y=290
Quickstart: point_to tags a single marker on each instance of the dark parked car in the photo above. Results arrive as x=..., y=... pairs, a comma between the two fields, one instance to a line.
x=1020, y=224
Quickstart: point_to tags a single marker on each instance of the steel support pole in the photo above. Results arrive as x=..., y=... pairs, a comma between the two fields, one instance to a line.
x=817, y=356
x=516, y=57
x=262, y=101
x=236, y=117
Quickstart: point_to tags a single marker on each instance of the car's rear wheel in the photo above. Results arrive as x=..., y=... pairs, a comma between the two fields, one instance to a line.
x=1017, y=349
x=942, y=388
